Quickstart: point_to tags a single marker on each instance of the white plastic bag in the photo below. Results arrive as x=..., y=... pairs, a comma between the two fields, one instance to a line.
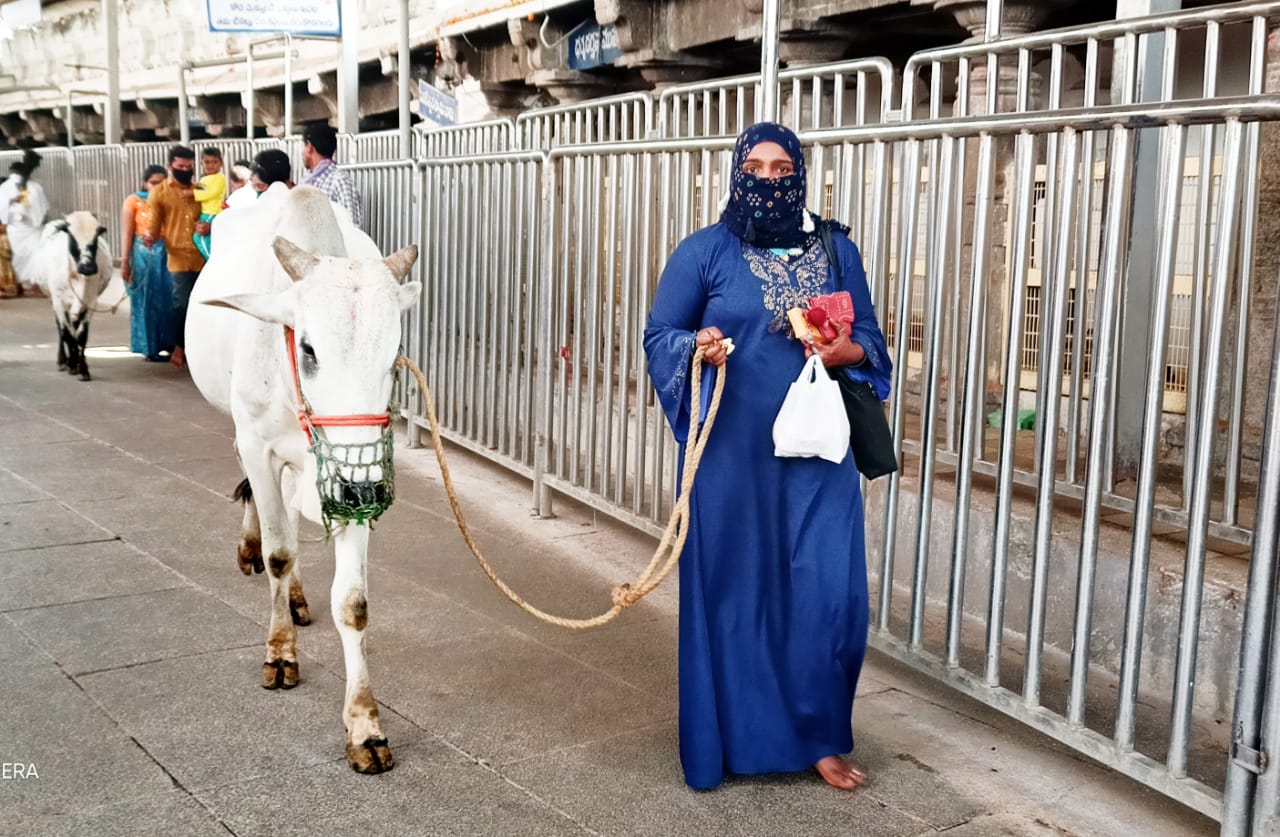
x=812, y=421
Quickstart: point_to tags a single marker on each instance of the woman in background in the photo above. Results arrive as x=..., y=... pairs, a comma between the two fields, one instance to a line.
x=146, y=274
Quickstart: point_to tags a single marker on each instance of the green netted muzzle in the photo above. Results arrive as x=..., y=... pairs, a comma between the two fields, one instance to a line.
x=356, y=481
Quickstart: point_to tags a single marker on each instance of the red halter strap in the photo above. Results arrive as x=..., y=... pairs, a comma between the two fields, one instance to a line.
x=306, y=420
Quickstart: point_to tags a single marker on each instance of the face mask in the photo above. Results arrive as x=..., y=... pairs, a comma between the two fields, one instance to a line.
x=183, y=177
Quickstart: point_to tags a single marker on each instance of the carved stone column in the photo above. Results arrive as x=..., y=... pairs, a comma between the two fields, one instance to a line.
x=1019, y=18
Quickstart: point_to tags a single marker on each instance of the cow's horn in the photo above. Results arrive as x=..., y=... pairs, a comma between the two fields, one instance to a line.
x=401, y=262
x=295, y=261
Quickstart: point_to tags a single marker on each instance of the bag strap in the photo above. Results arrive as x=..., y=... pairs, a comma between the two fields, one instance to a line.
x=829, y=247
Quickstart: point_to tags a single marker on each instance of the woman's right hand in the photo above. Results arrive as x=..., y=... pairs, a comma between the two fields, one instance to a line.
x=715, y=352
x=126, y=271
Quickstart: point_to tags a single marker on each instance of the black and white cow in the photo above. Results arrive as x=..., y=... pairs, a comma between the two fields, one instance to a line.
x=73, y=264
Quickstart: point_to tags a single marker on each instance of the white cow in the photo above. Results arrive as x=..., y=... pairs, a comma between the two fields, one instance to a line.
x=286, y=274
x=72, y=264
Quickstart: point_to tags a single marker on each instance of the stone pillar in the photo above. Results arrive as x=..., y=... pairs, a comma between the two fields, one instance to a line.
x=1019, y=18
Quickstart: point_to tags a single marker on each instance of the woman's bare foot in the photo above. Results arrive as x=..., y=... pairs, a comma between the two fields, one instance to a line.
x=178, y=358
x=841, y=774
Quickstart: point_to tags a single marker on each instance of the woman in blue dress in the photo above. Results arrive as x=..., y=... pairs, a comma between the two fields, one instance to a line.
x=145, y=272
x=773, y=580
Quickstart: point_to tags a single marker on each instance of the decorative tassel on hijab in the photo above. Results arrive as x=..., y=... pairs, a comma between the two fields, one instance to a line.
x=769, y=212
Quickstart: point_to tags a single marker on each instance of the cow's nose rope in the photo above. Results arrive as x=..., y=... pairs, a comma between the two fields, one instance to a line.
x=669, y=548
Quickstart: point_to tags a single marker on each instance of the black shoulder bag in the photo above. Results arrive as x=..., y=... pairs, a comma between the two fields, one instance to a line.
x=869, y=433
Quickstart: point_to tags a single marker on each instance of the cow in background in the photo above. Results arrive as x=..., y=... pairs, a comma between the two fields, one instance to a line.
x=73, y=264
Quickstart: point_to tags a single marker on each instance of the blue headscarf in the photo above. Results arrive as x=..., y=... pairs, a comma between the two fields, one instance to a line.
x=767, y=212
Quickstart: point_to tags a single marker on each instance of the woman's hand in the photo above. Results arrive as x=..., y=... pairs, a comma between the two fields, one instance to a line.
x=203, y=228
x=839, y=352
x=126, y=270
x=710, y=338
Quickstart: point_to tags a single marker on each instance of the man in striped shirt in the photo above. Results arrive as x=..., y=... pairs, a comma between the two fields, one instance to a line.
x=319, y=143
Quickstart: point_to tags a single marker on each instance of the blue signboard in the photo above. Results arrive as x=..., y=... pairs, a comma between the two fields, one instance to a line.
x=297, y=17
x=436, y=106
x=593, y=46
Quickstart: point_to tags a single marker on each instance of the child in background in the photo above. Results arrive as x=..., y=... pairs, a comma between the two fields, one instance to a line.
x=210, y=192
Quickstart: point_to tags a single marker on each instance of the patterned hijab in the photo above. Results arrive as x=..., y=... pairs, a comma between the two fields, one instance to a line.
x=768, y=212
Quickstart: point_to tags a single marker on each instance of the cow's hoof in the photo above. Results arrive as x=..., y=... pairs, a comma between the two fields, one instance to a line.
x=249, y=556
x=280, y=674
x=84, y=376
x=71, y=370
x=370, y=756
x=300, y=612
x=62, y=366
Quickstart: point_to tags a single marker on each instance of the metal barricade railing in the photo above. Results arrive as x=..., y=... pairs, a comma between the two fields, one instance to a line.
x=843, y=94
x=969, y=342
x=486, y=137
x=613, y=119
x=617, y=212
x=481, y=226
x=96, y=174
x=374, y=147
x=1147, y=51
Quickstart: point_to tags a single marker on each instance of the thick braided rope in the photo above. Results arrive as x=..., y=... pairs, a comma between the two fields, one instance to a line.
x=669, y=548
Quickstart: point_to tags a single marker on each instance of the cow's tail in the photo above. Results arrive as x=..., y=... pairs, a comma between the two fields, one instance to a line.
x=243, y=492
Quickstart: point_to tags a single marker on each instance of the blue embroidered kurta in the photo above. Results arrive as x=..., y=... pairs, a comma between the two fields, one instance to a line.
x=773, y=582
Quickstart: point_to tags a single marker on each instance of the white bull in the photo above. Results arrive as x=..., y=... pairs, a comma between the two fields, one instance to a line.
x=288, y=269
x=73, y=264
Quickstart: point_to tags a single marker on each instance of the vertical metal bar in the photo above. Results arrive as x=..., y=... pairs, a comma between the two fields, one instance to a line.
x=571, y=312
x=184, y=118
x=1024, y=181
x=974, y=391
x=111, y=108
x=1084, y=232
x=1135, y=602
x=768, y=105
x=643, y=396
x=288, y=83
x=545, y=341
x=1244, y=288
x=994, y=21
x=591, y=343
x=1200, y=279
x=1197, y=524
x=250, y=107
x=906, y=267
x=1119, y=194
x=607, y=317
x=1047, y=422
x=928, y=417
x=632, y=331
x=1256, y=707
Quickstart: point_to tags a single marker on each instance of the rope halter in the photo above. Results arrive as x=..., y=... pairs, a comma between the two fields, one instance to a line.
x=353, y=496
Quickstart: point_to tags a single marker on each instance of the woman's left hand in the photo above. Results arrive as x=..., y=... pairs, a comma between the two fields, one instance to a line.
x=838, y=352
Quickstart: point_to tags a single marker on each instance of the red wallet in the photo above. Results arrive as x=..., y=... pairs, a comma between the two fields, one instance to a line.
x=839, y=306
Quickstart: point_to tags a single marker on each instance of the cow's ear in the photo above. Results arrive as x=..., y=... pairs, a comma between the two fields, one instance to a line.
x=62, y=226
x=295, y=261
x=407, y=294
x=101, y=232
x=270, y=308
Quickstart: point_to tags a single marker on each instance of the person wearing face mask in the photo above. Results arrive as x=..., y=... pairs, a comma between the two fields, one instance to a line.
x=773, y=581
x=145, y=271
x=174, y=213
